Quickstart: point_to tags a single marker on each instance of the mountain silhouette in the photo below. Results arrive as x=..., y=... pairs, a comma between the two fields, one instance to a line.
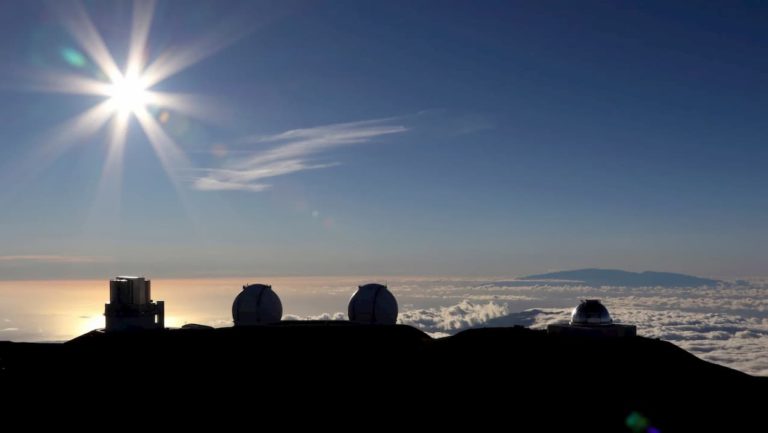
x=614, y=277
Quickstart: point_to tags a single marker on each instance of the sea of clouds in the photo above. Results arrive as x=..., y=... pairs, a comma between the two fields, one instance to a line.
x=727, y=324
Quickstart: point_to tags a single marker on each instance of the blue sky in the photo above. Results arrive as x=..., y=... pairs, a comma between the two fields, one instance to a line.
x=352, y=138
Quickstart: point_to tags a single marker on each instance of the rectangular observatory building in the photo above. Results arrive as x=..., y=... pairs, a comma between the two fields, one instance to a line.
x=131, y=307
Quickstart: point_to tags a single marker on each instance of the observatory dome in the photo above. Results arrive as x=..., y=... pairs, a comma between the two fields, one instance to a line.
x=257, y=304
x=373, y=304
x=590, y=312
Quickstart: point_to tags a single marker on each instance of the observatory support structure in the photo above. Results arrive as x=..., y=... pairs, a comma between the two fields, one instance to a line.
x=131, y=307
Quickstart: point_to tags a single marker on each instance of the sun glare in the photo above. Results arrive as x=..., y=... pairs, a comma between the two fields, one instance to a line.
x=126, y=91
x=128, y=94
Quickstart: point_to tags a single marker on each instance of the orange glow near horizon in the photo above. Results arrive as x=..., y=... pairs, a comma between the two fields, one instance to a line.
x=59, y=310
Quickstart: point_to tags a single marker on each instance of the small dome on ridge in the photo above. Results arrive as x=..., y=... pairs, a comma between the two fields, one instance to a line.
x=590, y=312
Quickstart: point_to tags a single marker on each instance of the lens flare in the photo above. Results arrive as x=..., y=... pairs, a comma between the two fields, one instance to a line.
x=73, y=57
x=126, y=92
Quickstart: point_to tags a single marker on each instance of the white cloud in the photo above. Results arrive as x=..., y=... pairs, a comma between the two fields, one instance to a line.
x=466, y=314
x=211, y=184
x=453, y=318
x=324, y=316
x=289, y=153
x=726, y=325
x=726, y=339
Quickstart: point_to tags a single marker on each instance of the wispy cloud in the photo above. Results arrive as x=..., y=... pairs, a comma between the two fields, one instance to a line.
x=47, y=258
x=210, y=183
x=289, y=152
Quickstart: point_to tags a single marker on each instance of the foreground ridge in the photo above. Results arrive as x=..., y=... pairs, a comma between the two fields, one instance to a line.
x=479, y=371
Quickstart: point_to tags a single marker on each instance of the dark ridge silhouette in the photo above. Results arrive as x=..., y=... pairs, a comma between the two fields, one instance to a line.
x=322, y=374
x=613, y=277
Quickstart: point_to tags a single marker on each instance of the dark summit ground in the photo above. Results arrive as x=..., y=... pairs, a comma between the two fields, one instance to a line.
x=337, y=375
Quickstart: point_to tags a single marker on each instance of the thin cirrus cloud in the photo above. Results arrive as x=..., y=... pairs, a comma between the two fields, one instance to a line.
x=289, y=153
x=48, y=258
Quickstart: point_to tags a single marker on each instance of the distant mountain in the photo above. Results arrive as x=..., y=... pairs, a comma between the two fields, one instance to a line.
x=613, y=277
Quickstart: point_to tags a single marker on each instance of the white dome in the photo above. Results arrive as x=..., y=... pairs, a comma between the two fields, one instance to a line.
x=373, y=304
x=590, y=312
x=257, y=304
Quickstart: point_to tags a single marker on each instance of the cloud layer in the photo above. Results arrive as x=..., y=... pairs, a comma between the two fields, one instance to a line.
x=727, y=339
x=727, y=324
x=289, y=152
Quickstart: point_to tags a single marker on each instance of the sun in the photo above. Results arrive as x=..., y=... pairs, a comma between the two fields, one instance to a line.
x=128, y=94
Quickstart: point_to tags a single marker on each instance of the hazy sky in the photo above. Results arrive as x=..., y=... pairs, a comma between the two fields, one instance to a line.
x=387, y=137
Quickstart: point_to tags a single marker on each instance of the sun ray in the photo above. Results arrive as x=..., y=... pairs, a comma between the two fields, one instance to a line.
x=171, y=156
x=62, y=82
x=143, y=11
x=106, y=208
x=173, y=61
x=127, y=93
x=56, y=143
x=113, y=164
x=188, y=104
x=75, y=130
x=76, y=19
